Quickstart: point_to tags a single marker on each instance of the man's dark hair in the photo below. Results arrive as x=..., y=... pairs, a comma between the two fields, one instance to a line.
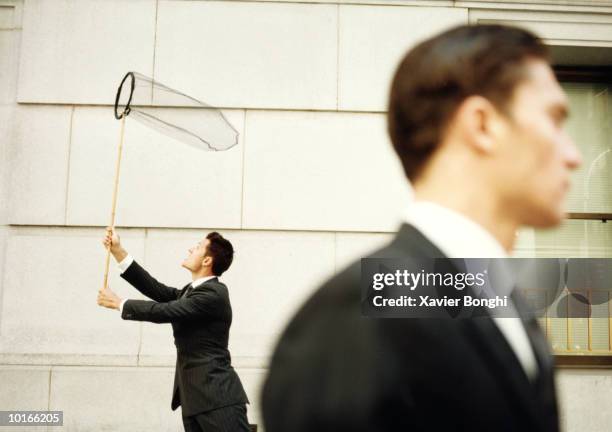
x=221, y=251
x=436, y=76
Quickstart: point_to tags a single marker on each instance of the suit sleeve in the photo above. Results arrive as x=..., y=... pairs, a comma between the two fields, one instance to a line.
x=140, y=279
x=199, y=304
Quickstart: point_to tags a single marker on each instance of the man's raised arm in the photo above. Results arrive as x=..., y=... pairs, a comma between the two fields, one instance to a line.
x=137, y=276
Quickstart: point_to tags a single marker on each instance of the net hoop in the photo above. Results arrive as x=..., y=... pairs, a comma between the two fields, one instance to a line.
x=127, y=108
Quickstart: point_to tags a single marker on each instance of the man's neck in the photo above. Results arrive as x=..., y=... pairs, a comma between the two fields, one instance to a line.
x=483, y=210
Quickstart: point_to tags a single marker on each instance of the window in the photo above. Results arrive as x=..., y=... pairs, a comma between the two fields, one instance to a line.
x=585, y=338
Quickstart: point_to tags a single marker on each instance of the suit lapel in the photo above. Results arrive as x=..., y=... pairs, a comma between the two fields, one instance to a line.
x=538, y=341
x=184, y=290
x=544, y=385
x=502, y=362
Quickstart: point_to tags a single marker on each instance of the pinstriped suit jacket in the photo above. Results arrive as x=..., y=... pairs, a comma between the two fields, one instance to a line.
x=204, y=377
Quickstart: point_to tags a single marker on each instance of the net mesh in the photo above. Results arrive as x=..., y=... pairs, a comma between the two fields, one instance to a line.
x=174, y=114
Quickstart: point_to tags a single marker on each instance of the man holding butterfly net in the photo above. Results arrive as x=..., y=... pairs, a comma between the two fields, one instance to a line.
x=206, y=385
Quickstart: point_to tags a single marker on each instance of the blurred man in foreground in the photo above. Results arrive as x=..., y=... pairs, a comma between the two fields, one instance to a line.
x=476, y=117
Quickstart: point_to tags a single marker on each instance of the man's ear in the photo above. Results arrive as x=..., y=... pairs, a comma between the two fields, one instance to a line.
x=479, y=123
x=207, y=261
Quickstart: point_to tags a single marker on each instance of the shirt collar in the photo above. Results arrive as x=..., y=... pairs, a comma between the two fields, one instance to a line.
x=454, y=234
x=201, y=280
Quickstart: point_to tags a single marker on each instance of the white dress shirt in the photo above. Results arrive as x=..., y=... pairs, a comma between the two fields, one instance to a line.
x=128, y=260
x=459, y=237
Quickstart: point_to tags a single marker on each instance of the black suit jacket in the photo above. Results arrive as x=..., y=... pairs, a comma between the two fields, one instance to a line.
x=336, y=370
x=204, y=377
